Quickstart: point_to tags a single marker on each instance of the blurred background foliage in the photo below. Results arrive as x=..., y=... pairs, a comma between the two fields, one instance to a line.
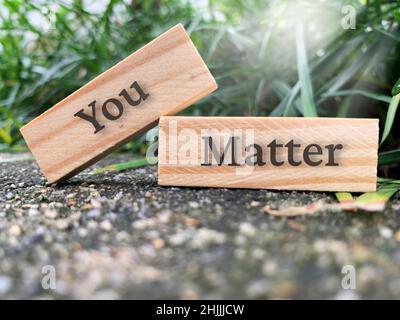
x=271, y=57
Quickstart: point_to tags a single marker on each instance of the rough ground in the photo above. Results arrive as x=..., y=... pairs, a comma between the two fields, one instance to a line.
x=120, y=235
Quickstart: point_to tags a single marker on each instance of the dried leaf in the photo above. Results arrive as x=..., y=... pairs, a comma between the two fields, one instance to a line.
x=296, y=226
x=295, y=211
x=371, y=201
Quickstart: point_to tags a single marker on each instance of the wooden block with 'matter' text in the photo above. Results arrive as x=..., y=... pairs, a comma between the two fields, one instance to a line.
x=323, y=154
x=162, y=78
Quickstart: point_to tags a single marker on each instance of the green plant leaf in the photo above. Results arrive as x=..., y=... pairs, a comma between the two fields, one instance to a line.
x=388, y=34
x=353, y=68
x=396, y=14
x=378, y=97
x=319, y=67
x=389, y=157
x=286, y=104
x=396, y=88
x=377, y=200
x=5, y=132
x=214, y=44
x=307, y=95
x=344, y=197
x=5, y=136
x=390, y=117
x=137, y=163
x=387, y=182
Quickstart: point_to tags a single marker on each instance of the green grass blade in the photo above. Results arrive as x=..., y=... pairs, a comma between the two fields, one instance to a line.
x=379, y=197
x=13, y=149
x=307, y=95
x=390, y=117
x=12, y=96
x=5, y=132
x=389, y=157
x=259, y=92
x=286, y=104
x=396, y=88
x=388, y=34
x=378, y=97
x=280, y=88
x=5, y=136
x=352, y=69
x=216, y=41
x=137, y=163
x=344, y=197
x=387, y=182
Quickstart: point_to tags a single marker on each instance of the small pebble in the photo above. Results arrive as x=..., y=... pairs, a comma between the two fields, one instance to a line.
x=92, y=224
x=51, y=214
x=61, y=224
x=5, y=284
x=164, y=216
x=106, y=225
x=258, y=289
x=87, y=207
x=385, y=232
x=14, y=230
x=194, y=205
x=204, y=237
x=177, y=239
x=247, y=229
x=82, y=232
x=192, y=222
x=158, y=243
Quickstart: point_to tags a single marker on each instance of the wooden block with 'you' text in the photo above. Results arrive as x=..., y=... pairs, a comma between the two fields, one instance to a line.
x=162, y=78
x=323, y=154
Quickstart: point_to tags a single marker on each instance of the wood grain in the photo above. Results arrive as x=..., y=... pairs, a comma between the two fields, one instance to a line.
x=356, y=162
x=169, y=70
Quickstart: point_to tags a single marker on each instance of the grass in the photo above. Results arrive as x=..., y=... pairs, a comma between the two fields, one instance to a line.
x=306, y=89
x=270, y=58
x=391, y=113
x=49, y=50
x=137, y=163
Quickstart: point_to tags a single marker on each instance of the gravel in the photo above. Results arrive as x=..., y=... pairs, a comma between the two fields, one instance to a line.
x=120, y=235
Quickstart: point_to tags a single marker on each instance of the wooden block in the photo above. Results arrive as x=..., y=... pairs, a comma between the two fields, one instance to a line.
x=322, y=154
x=162, y=78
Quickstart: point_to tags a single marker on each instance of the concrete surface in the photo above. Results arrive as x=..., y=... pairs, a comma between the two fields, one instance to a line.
x=120, y=235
